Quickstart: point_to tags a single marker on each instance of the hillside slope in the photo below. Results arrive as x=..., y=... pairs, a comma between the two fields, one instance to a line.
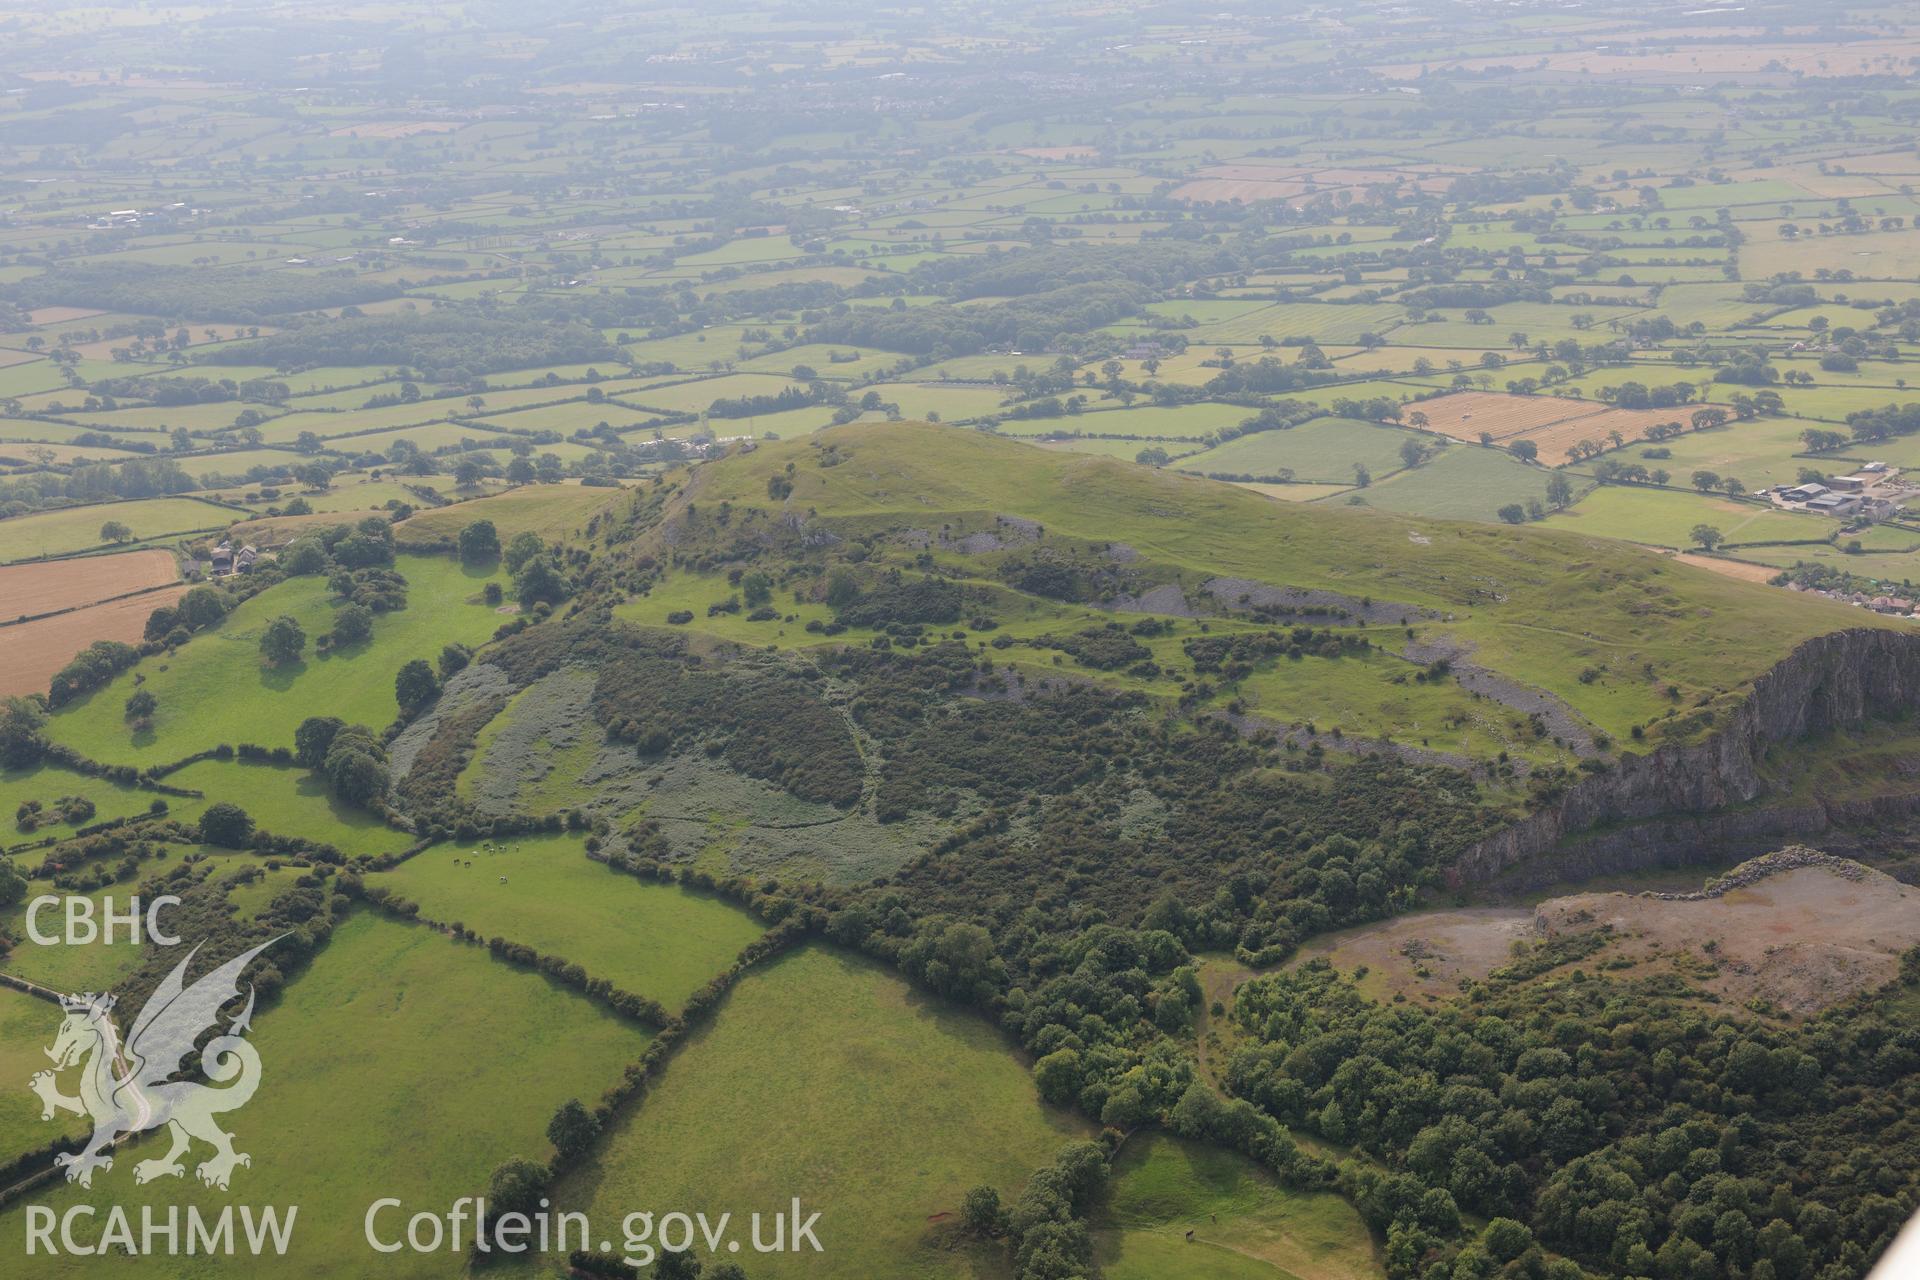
x=1624, y=636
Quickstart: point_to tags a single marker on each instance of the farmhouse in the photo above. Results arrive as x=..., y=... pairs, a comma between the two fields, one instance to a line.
x=227, y=561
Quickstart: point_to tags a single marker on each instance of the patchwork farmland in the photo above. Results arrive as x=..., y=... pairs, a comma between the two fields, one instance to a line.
x=1044, y=643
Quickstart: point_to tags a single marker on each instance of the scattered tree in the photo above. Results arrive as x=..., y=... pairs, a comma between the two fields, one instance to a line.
x=21, y=744
x=283, y=641
x=572, y=1130
x=524, y=547
x=353, y=625
x=226, y=825
x=313, y=738
x=539, y=582
x=479, y=542
x=415, y=686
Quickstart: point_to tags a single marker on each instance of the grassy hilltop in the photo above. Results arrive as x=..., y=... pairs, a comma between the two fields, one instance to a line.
x=1607, y=627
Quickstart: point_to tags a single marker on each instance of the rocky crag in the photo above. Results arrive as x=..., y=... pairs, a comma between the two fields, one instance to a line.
x=1677, y=803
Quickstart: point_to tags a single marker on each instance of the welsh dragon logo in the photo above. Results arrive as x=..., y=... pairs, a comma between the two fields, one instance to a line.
x=128, y=1091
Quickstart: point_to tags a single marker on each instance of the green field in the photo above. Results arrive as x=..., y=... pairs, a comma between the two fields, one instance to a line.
x=1665, y=518
x=27, y=1027
x=217, y=689
x=1376, y=696
x=1027, y=617
x=1759, y=453
x=256, y=894
x=567, y=417
x=240, y=461
x=550, y=510
x=1125, y=450
x=285, y=800
x=1323, y=449
x=1174, y=422
x=655, y=940
x=827, y=1078
x=918, y=399
x=47, y=783
x=694, y=397
x=70, y=968
x=1465, y=482
x=1898, y=567
x=350, y=493
x=55, y=533
x=38, y=429
x=343, y=431
x=820, y=358
x=393, y=1040
x=1245, y=1226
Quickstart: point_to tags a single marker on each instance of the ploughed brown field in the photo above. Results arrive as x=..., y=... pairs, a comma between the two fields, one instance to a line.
x=1554, y=423
x=1465, y=414
x=30, y=652
x=1554, y=440
x=29, y=589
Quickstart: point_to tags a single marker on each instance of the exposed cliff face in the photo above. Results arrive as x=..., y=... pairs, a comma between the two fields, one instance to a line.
x=1682, y=800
